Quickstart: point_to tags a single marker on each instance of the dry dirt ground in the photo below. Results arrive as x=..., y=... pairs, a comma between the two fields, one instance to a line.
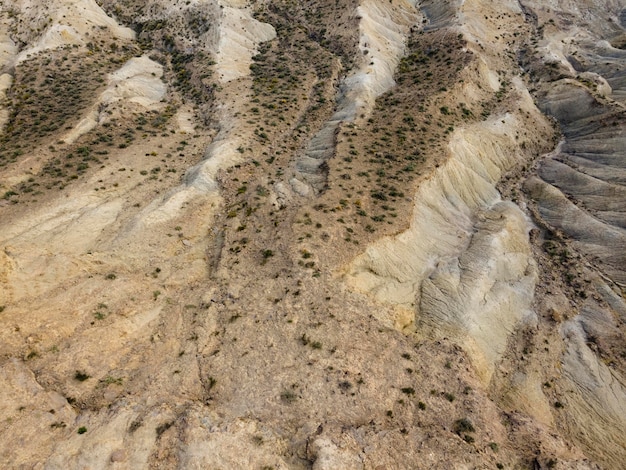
x=322, y=234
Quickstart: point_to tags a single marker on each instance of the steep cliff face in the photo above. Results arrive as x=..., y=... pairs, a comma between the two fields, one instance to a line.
x=347, y=234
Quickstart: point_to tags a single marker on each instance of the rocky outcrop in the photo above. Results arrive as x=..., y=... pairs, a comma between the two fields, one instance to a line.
x=383, y=33
x=464, y=265
x=366, y=251
x=138, y=84
x=441, y=14
x=579, y=192
x=236, y=37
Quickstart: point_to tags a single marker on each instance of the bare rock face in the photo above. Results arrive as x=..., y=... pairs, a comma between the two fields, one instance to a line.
x=578, y=192
x=312, y=235
x=383, y=31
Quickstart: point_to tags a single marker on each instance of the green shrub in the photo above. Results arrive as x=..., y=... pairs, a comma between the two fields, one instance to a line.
x=81, y=376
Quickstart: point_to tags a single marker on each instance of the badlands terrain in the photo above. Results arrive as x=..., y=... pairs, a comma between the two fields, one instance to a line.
x=325, y=234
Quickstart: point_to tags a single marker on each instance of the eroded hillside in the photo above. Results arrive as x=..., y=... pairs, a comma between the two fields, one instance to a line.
x=347, y=234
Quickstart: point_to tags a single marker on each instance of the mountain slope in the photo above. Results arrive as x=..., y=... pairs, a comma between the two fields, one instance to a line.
x=315, y=234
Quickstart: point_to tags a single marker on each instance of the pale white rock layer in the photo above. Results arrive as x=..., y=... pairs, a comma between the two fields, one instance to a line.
x=482, y=296
x=137, y=82
x=70, y=22
x=383, y=31
x=442, y=218
x=8, y=50
x=464, y=266
x=599, y=391
x=239, y=35
x=200, y=180
x=67, y=23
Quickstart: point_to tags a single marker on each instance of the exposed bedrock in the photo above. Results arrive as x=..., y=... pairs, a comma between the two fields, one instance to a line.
x=8, y=50
x=482, y=296
x=233, y=42
x=67, y=24
x=597, y=399
x=383, y=32
x=440, y=13
x=55, y=24
x=582, y=189
x=605, y=199
x=464, y=266
x=137, y=83
x=580, y=193
x=587, y=16
x=605, y=61
x=183, y=308
x=238, y=37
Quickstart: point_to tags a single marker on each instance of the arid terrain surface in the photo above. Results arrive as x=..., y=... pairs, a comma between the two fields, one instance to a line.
x=325, y=234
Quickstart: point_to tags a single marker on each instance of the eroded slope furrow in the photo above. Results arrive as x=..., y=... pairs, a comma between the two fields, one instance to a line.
x=383, y=33
x=317, y=234
x=578, y=192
